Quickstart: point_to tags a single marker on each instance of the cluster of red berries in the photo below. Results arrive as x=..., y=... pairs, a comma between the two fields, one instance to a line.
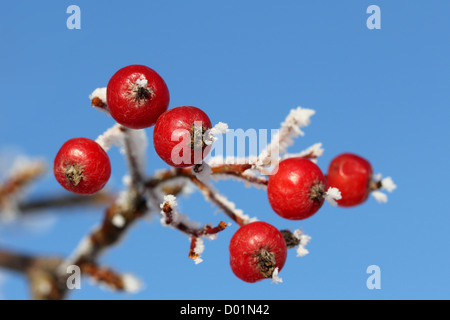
x=297, y=189
x=296, y=192
x=138, y=98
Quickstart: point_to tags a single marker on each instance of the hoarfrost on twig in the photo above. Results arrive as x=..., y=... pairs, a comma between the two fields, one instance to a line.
x=332, y=195
x=275, y=277
x=304, y=240
x=290, y=129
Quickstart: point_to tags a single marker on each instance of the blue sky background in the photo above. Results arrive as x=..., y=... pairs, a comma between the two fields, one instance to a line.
x=383, y=94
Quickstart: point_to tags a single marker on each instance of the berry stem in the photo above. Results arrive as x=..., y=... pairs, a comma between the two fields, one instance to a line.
x=375, y=185
x=290, y=239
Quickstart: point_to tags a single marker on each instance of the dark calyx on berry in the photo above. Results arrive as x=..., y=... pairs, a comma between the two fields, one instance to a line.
x=140, y=93
x=317, y=191
x=266, y=262
x=197, y=134
x=74, y=174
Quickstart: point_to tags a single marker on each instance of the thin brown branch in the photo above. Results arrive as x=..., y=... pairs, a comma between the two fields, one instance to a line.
x=104, y=275
x=45, y=279
x=232, y=170
x=65, y=201
x=20, y=180
x=16, y=262
x=214, y=197
x=110, y=232
x=137, y=178
x=169, y=215
x=39, y=270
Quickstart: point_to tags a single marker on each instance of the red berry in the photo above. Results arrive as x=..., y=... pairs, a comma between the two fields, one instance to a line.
x=136, y=96
x=178, y=136
x=256, y=250
x=296, y=190
x=82, y=166
x=352, y=175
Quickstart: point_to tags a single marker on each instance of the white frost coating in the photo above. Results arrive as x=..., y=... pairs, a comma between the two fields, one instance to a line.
x=85, y=247
x=138, y=145
x=177, y=218
x=379, y=196
x=332, y=195
x=314, y=151
x=304, y=240
x=123, y=198
x=256, y=181
x=302, y=251
x=259, y=180
x=388, y=184
x=118, y=221
x=112, y=136
x=22, y=163
x=142, y=82
x=290, y=129
x=209, y=136
x=171, y=200
x=203, y=172
x=198, y=249
x=99, y=93
x=232, y=207
x=275, y=277
x=131, y=284
x=220, y=160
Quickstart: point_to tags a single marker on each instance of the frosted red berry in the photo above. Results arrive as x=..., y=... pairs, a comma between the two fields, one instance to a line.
x=256, y=250
x=178, y=136
x=297, y=188
x=136, y=96
x=82, y=166
x=352, y=175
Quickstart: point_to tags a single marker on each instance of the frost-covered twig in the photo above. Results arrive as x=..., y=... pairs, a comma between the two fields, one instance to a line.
x=39, y=270
x=379, y=184
x=110, y=231
x=313, y=152
x=23, y=173
x=290, y=129
x=202, y=171
x=296, y=239
x=210, y=135
x=64, y=201
x=171, y=217
x=112, y=136
x=241, y=172
x=43, y=274
x=12, y=191
x=275, y=277
x=112, y=279
x=134, y=147
x=225, y=205
x=98, y=100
